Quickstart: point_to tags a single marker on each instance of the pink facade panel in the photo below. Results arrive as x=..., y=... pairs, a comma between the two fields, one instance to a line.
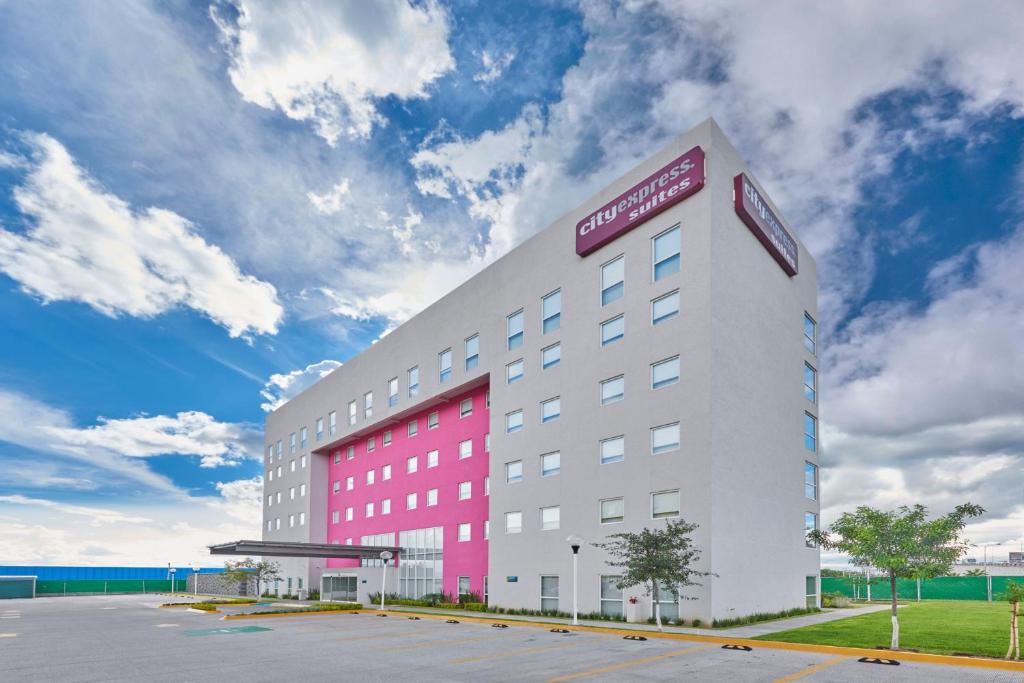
x=453, y=468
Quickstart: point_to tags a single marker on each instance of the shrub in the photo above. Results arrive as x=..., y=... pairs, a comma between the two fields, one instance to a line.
x=834, y=600
x=318, y=607
x=313, y=595
x=697, y=623
x=204, y=606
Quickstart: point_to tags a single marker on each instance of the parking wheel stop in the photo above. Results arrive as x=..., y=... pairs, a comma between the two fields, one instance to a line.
x=878, y=660
x=743, y=648
x=634, y=637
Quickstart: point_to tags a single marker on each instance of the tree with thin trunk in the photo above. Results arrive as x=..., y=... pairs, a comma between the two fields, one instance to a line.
x=903, y=543
x=1013, y=595
x=264, y=571
x=656, y=558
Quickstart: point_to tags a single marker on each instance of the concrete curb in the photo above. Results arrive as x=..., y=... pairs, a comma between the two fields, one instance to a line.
x=309, y=613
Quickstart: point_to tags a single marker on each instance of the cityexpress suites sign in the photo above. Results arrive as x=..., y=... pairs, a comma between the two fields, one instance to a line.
x=662, y=189
x=766, y=226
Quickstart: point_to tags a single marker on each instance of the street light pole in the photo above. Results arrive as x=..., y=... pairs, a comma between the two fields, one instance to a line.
x=575, y=542
x=384, y=556
x=195, y=579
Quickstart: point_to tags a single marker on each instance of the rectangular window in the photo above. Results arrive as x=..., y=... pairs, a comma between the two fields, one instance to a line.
x=514, y=421
x=393, y=392
x=810, y=333
x=350, y=483
x=513, y=522
x=465, y=407
x=465, y=490
x=550, y=517
x=413, y=376
x=431, y=497
x=385, y=506
x=613, y=390
x=411, y=464
x=514, y=371
x=487, y=442
x=433, y=419
x=335, y=516
x=277, y=449
x=349, y=514
x=303, y=437
x=368, y=405
x=665, y=307
x=351, y=412
x=350, y=453
x=665, y=373
x=410, y=501
x=464, y=535
x=269, y=525
x=514, y=329
x=465, y=449
x=385, y=472
x=319, y=429
x=472, y=352
x=613, y=330
x=810, y=432
x=431, y=459
x=810, y=481
x=666, y=253
x=665, y=438
x=613, y=450
x=291, y=464
x=550, y=464
x=277, y=523
x=291, y=492
x=551, y=409
x=369, y=510
x=810, y=383
x=665, y=504
x=371, y=444
x=613, y=280
x=551, y=311
x=337, y=457
x=371, y=476
x=412, y=428
x=611, y=596
x=444, y=365
x=487, y=535
x=332, y=422
x=549, y=593
x=302, y=490
x=612, y=510
x=386, y=439
x=291, y=443
x=551, y=356
x=513, y=471
x=811, y=588
x=810, y=524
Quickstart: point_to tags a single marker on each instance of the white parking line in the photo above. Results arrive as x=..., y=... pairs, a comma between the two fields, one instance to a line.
x=7, y=635
x=166, y=625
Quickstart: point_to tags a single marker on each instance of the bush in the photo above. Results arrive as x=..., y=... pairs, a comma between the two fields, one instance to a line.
x=834, y=600
x=697, y=623
x=763, y=616
x=204, y=606
x=318, y=607
x=313, y=595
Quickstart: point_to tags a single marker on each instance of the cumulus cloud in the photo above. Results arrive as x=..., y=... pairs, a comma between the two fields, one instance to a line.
x=282, y=387
x=327, y=62
x=491, y=66
x=96, y=516
x=241, y=499
x=85, y=244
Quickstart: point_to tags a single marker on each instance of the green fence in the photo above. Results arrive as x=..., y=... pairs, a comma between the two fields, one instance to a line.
x=81, y=586
x=941, y=588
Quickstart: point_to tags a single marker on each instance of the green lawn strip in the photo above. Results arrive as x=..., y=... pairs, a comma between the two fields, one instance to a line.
x=939, y=627
x=319, y=607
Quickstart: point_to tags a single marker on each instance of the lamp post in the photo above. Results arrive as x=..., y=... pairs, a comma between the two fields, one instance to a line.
x=385, y=555
x=195, y=579
x=986, y=547
x=575, y=542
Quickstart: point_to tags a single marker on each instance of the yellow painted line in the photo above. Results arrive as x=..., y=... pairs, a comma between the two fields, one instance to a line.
x=924, y=658
x=516, y=653
x=627, y=664
x=431, y=643
x=814, y=668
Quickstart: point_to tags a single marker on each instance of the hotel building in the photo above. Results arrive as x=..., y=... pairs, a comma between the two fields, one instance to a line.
x=650, y=355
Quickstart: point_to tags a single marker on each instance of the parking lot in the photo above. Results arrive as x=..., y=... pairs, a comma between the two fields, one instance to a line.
x=129, y=638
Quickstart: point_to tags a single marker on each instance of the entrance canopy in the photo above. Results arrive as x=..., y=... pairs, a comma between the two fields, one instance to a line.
x=297, y=549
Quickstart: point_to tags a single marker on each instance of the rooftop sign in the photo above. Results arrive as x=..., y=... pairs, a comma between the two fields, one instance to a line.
x=766, y=226
x=664, y=188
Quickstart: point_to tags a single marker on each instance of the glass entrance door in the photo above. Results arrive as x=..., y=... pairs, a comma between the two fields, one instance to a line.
x=339, y=588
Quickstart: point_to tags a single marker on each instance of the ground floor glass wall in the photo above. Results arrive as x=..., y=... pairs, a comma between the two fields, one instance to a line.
x=420, y=565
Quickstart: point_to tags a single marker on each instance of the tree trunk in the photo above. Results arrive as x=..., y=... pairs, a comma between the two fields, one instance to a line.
x=657, y=607
x=1014, y=651
x=895, y=644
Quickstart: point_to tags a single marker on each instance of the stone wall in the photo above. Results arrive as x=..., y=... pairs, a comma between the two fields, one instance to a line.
x=217, y=584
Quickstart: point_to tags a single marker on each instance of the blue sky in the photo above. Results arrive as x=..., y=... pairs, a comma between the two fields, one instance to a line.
x=205, y=207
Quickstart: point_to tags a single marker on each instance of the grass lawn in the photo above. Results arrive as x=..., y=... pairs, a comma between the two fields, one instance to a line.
x=939, y=626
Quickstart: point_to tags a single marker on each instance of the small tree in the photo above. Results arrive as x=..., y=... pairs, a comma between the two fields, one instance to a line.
x=903, y=543
x=656, y=557
x=1013, y=595
x=975, y=572
x=264, y=571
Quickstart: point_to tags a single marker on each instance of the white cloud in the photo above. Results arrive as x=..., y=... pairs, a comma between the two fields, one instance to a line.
x=241, y=499
x=326, y=62
x=86, y=244
x=332, y=201
x=491, y=67
x=281, y=388
x=97, y=516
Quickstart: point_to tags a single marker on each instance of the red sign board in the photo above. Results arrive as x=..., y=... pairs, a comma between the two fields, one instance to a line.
x=664, y=188
x=766, y=226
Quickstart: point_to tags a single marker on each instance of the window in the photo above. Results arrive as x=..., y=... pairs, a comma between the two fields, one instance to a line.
x=277, y=449
x=302, y=490
x=551, y=312
x=465, y=490
x=371, y=477
x=350, y=453
x=472, y=352
x=550, y=517
x=612, y=390
x=270, y=453
x=279, y=471
x=337, y=457
x=369, y=510
x=444, y=365
x=611, y=596
x=551, y=356
x=431, y=459
x=319, y=429
x=385, y=506
x=550, y=464
x=431, y=497
x=332, y=422
x=549, y=593
x=350, y=483
x=665, y=438
x=465, y=407
x=277, y=523
x=303, y=437
x=411, y=464
x=413, y=375
x=463, y=580
x=291, y=465
x=487, y=442
x=270, y=475
x=810, y=481
x=433, y=419
x=270, y=500
x=335, y=516
x=386, y=439
x=351, y=412
x=666, y=253
x=514, y=329
x=810, y=432
x=513, y=522
x=371, y=444
x=412, y=428
x=513, y=471
x=613, y=450
x=291, y=493
x=278, y=496
x=810, y=333
x=465, y=449
x=368, y=405
x=487, y=535
x=811, y=588
x=514, y=371
x=291, y=443
x=665, y=504
x=551, y=409
x=513, y=421
x=487, y=485
x=349, y=514
x=810, y=383
x=613, y=330
x=665, y=307
x=612, y=510
x=810, y=524
x=410, y=501
x=302, y=519
x=464, y=535
x=613, y=280
x=665, y=372
x=385, y=472
x=393, y=392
